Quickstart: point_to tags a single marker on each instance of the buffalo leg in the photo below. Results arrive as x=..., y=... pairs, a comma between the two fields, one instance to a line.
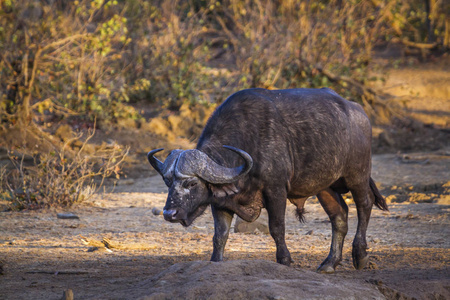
x=364, y=201
x=222, y=224
x=337, y=211
x=276, y=209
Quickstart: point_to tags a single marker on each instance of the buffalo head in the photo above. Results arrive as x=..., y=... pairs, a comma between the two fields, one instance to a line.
x=193, y=178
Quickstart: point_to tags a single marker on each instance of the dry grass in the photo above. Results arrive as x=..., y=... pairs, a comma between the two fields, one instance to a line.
x=59, y=178
x=91, y=57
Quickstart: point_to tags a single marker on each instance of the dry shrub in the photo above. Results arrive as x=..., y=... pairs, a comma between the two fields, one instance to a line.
x=285, y=44
x=172, y=53
x=272, y=44
x=90, y=57
x=59, y=178
x=63, y=56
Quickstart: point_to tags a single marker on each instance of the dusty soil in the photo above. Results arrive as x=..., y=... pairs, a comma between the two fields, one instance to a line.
x=421, y=93
x=42, y=255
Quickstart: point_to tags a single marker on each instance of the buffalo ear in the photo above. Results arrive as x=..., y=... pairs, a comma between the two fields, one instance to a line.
x=223, y=190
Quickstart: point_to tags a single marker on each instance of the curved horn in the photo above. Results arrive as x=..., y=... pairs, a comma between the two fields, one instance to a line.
x=198, y=163
x=156, y=163
x=247, y=158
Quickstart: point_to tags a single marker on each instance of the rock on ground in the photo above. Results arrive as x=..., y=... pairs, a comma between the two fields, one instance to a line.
x=248, y=279
x=261, y=224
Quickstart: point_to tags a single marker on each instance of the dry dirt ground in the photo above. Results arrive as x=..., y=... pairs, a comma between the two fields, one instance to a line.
x=409, y=246
x=42, y=255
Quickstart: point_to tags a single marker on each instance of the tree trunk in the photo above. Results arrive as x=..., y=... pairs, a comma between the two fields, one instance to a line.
x=447, y=33
x=428, y=9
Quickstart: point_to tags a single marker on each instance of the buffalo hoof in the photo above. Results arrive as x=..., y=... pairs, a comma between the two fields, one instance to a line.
x=360, y=264
x=285, y=261
x=325, y=269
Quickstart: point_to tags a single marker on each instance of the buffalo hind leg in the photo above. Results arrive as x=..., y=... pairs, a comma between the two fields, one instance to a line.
x=222, y=224
x=276, y=208
x=364, y=200
x=337, y=211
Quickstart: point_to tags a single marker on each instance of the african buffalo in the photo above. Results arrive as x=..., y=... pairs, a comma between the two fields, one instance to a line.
x=261, y=147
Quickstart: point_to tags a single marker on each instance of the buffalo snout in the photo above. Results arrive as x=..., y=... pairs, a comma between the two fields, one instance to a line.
x=175, y=215
x=170, y=214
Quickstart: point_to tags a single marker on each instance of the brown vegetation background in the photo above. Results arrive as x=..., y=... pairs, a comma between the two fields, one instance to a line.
x=162, y=66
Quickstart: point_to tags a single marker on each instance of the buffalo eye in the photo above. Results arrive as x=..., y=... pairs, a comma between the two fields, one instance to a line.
x=190, y=184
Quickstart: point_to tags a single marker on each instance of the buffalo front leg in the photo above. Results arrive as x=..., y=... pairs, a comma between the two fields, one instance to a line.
x=364, y=202
x=337, y=211
x=222, y=224
x=276, y=209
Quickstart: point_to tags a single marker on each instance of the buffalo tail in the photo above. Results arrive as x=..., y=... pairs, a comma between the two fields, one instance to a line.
x=380, y=202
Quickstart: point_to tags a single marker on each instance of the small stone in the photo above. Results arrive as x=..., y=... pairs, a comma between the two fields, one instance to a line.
x=92, y=249
x=310, y=232
x=156, y=211
x=250, y=227
x=67, y=216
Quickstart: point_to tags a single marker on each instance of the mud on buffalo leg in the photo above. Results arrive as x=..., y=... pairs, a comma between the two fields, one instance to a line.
x=364, y=200
x=275, y=201
x=337, y=211
x=222, y=224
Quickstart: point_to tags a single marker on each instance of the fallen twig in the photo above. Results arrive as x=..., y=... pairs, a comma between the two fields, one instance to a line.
x=107, y=245
x=58, y=272
x=422, y=46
